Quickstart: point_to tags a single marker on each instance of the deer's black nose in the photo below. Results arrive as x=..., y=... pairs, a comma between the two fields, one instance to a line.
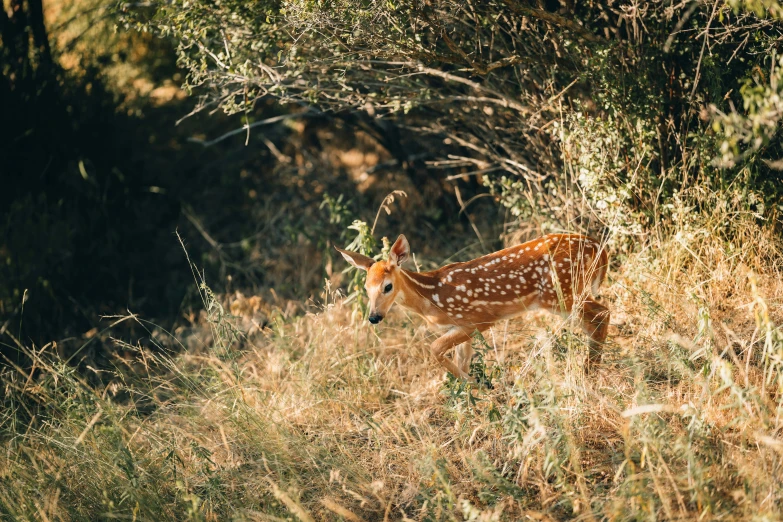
x=375, y=318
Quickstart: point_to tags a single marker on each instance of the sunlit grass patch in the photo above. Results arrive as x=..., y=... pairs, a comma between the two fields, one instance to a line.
x=320, y=416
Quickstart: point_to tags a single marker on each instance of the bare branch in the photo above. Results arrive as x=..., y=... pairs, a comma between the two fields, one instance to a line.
x=246, y=127
x=552, y=19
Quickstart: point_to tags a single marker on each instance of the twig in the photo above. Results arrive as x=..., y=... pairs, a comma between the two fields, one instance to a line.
x=246, y=127
x=225, y=45
x=388, y=200
x=703, y=46
x=470, y=218
x=684, y=18
x=473, y=173
x=282, y=158
x=553, y=19
x=553, y=99
x=381, y=166
x=196, y=223
x=500, y=100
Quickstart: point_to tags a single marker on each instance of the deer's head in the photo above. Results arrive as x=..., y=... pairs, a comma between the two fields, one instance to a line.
x=383, y=277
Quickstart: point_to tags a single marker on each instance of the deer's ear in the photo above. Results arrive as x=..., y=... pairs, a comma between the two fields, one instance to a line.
x=356, y=259
x=400, y=251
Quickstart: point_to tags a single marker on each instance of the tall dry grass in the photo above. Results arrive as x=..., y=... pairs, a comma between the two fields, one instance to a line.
x=321, y=417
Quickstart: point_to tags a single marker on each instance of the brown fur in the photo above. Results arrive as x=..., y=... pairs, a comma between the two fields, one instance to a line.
x=557, y=272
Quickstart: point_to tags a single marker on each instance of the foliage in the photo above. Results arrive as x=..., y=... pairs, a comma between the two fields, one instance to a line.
x=756, y=129
x=609, y=100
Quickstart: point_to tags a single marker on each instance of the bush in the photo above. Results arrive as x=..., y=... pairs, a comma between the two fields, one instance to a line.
x=626, y=106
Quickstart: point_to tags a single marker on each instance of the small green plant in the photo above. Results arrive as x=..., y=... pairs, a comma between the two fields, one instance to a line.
x=339, y=211
x=365, y=244
x=460, y=392
x=436, y=495
x=479, y=370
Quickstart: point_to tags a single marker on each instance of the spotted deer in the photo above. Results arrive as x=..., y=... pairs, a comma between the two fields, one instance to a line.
x=557, y=272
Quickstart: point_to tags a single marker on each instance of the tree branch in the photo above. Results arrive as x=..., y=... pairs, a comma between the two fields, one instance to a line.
x=246, y=127
x=552, y=19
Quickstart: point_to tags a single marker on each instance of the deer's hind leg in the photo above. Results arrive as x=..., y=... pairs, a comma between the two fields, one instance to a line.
x=595, y=322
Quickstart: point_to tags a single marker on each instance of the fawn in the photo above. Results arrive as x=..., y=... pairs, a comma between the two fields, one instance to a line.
x=557, y=272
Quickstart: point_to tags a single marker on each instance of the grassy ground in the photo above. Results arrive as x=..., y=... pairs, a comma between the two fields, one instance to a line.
x=320, y=416
x=263, y=407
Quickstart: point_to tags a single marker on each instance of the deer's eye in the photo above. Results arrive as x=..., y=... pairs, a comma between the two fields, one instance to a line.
x=387, y=288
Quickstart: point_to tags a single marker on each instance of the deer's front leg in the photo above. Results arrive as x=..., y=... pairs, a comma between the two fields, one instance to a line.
x=444, y=343
x=463, y=354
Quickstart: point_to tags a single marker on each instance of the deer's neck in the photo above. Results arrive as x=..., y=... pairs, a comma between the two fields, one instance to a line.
x=418, y=288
